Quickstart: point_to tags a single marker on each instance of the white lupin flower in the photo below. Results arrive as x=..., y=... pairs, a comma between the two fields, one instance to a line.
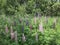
x=36, y=37
x=23, y=37
x=45, y=19
x=11, y=29
x=55, y=21
x=16, y=39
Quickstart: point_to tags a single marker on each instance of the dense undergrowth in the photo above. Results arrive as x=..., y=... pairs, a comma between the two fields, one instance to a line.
x=29, y=22
x=29, y=29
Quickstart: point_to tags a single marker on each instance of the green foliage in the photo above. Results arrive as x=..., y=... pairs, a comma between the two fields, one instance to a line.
x=56, y=9
x=50, y=36
x=12, y=7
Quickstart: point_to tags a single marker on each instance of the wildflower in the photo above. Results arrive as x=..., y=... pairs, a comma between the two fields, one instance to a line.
x=20, y=20
x=22, y=28
x=23, y=37
x=46, y=20
x=35, y=20
x=12, y=33
x=39, y=15
x=36, y=14
x=6, y=28
x=55, y=20
x=11, y=29
x=31, y=27
x=14, y=23
x=41, y=27
x=54, y=23
x=36, y=37
x=27, y=23
x=16, y=39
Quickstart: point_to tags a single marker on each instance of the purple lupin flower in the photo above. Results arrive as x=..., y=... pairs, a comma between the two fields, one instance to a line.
x=27, y=23
x=54, y=23
x=6, y=28
x=41, y=27
x=14, y=23
x=36, y=36
x=22, y=28
x=12, y=33
x=36, y=14
x=23, y=37
x=16, y=39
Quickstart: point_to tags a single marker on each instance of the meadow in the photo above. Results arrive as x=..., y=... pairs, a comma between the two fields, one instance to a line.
x=29, y=22
x=40, y=30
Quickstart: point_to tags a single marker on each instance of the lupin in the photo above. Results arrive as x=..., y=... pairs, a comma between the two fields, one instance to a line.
x=23, y=37
x=14, y=23
x=46, y=20
x=37, y=37
x=41, y=27
x=22, y=28
x=54, y=23
x=6, y=28
x=12, y=33
x=16, y=39
x=27, y=23
x=31, y=27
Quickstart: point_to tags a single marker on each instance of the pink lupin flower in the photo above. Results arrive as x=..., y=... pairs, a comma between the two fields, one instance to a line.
x=23, y=37
x=41, y=27
x=12, y=33
x=31, y=27
x=6, y=28
x=16, y=39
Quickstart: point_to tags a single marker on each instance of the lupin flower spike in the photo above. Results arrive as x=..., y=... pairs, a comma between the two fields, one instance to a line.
x=55, y=21
x=14, y=23
x=27, y=23
x=31, y=27
x=36, y=36
x=46, y=20
x=6, y=28
x=41, y=27
x=23, y=37
x=12, y=33
x=22, y=28
x=16, y=39
x=35, y=19
x=20, y=20
x=11, y=29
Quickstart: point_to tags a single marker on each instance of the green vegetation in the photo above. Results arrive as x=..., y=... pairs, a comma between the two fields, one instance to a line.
x=23, y=7
x=29, y=22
